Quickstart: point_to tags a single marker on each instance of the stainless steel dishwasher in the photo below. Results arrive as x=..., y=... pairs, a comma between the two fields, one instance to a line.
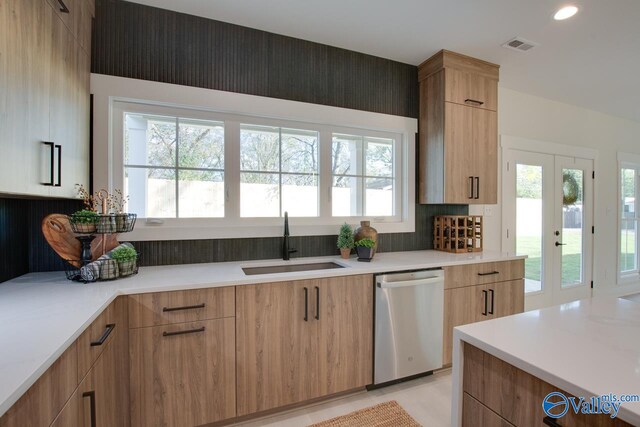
x=408, y=325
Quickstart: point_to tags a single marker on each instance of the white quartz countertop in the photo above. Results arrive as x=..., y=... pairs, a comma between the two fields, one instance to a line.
x=587, y=348
x=41, y=314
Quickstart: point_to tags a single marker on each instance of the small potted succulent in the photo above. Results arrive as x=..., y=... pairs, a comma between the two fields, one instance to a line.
x=126, y=257
x=345, y=240
x=84, y=221
x=364, y=249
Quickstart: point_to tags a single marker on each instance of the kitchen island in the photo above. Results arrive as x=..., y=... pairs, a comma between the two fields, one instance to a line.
x=503, y=369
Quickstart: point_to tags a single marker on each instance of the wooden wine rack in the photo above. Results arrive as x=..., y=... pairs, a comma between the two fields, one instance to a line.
x=457, y=233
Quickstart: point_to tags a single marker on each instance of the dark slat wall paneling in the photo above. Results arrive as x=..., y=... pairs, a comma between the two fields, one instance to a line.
x=167, y=252
x=14, y=244
x=142, y=42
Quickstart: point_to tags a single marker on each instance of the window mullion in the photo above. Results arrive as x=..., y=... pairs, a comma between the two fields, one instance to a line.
x=232, y=170
x=325, y=180
x=176, y=172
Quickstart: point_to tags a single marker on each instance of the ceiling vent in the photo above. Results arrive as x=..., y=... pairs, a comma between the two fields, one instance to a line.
x=520, y=44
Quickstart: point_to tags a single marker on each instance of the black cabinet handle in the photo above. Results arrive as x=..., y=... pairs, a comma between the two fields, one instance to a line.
x=306, y=304
x=186, y=307
x=59, y=148
x=92, y=405
x=477, y=187
x=63, y=7
x=52, y=163
x=551, y=422
x=471, y=187
x=491, y=292
x=107, y=331
x=317, y=303
x=491, y=273
x=484, y=294
x=188, y=331
x=473, y=101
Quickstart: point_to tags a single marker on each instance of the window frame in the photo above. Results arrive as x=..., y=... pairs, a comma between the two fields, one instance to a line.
x=628, y=161
x=233, y=225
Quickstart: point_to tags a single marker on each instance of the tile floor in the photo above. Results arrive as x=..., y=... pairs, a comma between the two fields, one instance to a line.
x=427, y=400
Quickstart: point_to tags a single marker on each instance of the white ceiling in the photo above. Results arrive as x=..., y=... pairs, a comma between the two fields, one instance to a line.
x=591, y=60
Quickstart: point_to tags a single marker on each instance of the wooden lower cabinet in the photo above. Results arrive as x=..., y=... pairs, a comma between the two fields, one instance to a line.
x=472, y=304
x=301, y=340
x=183, y=374
x=493, y=386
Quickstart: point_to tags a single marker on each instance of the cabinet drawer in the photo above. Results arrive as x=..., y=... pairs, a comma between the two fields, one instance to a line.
x=97, y=336
x=475, y=414
x=471, y=89
x=163, y=308
x=479, y=274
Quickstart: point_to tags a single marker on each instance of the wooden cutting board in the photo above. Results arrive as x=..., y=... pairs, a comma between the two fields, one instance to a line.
x=62, y=239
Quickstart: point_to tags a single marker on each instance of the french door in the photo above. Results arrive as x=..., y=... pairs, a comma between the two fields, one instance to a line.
x=548, y=216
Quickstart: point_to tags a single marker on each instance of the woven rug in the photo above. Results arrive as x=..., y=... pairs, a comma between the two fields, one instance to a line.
x=388, y=414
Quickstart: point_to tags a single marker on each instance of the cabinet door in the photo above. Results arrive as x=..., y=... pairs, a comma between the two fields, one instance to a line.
x=475, y=414
x=461, y=306
x=183, y=374
x=343, y=307
x=485, y=155
x=459, y=167
x=277, y=345
x=506, y=298
x=471, y=89
x=25, y=45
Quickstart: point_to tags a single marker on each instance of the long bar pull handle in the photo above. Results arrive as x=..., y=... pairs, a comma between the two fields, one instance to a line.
x=306, y=304
x=92, y=406
x=550, y=422
x=188, y=331
x=52, y=163
x=186, y=307
x=470, y=187
x=63, y=7
x=477, y=187
x=473, y=101
x=107, y=331
x=491, y=291
x=317, y=303
x=59, y=148
x=491, y=273
x=484, y=295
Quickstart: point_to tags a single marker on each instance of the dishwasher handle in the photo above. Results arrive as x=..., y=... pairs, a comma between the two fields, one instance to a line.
x=405, y=283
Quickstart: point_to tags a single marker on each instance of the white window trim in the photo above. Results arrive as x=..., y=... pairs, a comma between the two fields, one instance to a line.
x=111, y=93
x=627, y=161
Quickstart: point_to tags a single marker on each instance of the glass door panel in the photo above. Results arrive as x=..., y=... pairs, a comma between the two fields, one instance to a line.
x=529, y=223
x=572, y=250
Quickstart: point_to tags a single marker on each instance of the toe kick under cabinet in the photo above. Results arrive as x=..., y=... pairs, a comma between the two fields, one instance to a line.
x=477, y=292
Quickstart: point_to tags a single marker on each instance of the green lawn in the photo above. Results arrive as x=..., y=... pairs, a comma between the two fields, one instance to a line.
x=530, y=245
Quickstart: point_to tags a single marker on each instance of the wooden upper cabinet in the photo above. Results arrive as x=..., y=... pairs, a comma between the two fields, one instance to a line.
x=77, y=16
x=458, y=130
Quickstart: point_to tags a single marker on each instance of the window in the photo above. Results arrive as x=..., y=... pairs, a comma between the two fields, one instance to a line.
x=198, y=173
x=174, y=167
x=628, y=256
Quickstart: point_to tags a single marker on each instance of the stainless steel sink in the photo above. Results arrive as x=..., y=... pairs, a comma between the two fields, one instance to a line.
x=290, y=268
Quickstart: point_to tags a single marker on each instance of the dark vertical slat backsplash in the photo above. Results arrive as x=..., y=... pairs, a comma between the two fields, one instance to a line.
x=14, y=246
x=142, y=42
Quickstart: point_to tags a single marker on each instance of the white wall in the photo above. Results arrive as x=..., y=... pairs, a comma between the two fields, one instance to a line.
x=541, y=119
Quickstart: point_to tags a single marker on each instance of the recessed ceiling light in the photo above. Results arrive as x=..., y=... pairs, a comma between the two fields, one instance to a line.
x=565, y=13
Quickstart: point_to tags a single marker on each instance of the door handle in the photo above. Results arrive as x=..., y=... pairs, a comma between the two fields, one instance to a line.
x=59, y=148
x=484, y=294
x=471, y=187
x=92, y=405
x=550, y=422
x=477, y=187
x=186, y=307
x=63, y=7
x=492, y=292
x=107, y=331
x=473, y=101
x=52, y=163
x=188, y=331
x=560, y=244
x=306, y=304
x=317, y=303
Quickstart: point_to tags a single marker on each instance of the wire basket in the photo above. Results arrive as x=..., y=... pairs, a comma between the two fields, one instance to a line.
x=100, y=269
x=103, y=224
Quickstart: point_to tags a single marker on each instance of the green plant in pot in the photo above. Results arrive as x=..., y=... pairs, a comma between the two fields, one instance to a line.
x=345, y=240
x=126, y=257
x=84, y=221
x=365, y=249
